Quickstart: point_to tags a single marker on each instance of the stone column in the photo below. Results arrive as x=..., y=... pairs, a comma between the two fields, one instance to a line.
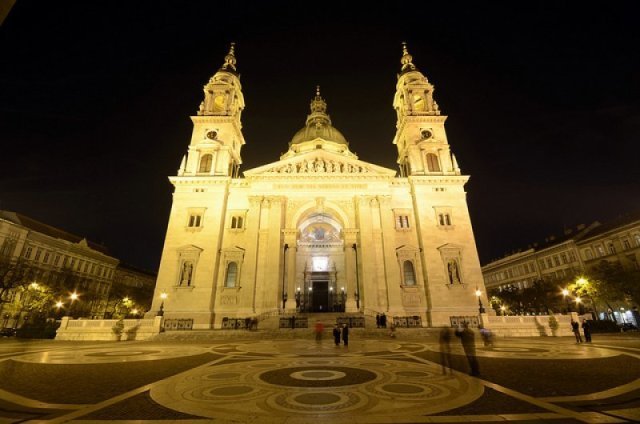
x=290, y=271
x=350, y=238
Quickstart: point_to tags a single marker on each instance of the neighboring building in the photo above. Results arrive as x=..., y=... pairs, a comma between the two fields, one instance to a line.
x=564, y=258
x=51, y=255
x=555, y=259
x=135, y=283
x=319, y=230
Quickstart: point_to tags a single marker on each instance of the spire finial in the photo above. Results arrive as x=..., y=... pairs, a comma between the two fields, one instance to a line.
x=230, y=59
x=407, y=59
x=318, y=104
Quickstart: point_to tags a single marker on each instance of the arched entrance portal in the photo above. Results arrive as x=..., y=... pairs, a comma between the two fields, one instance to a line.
x=321, y=287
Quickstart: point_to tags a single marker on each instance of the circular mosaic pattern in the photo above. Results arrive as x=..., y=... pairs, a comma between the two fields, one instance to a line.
x=338, y=376
x=318, y=375
x=302, y=387
x=110, y=354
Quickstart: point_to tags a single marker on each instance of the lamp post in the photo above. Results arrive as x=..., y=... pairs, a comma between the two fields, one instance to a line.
x=331, y=300
x=565, y=294
x=74, y=296
x=342, y=299
x=298, y=298
x=357, y=293
x=578, y=303
x=163, y=296
x=480, y=307
x=284, y=272
x=503, y=309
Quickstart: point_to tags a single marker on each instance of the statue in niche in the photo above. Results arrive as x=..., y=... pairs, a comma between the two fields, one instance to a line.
x=332, y=166
x=187, y=272
x=309, y=166
x=454, y=272
x=319, y=165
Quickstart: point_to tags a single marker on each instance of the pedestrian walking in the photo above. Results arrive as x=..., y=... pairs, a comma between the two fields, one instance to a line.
x=468, y=340
x=575, y=327
x=392, y=330
x=377, y=320
x=345, y=335
x=586, y=329
x=336, y=334
x=445, y=350
x=383, y=320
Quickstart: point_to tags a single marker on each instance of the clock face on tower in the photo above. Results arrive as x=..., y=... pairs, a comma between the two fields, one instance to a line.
x=211, y=135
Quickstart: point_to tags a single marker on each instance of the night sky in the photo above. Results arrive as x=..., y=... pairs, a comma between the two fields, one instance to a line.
x=543, y=100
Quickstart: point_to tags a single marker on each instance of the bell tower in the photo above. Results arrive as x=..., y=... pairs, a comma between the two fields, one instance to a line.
x=217, y=137
x=420, y=138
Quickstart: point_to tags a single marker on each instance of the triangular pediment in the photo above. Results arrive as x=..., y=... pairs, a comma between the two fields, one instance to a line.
x=320, y=162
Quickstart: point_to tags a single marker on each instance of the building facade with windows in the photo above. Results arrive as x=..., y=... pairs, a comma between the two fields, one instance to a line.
x=563, y=259
x=49, y=256
x=318, y=230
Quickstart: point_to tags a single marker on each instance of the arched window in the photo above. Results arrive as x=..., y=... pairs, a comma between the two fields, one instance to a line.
x=232, y=274
x=409, y=274
x=205, y=163
x=432, y=163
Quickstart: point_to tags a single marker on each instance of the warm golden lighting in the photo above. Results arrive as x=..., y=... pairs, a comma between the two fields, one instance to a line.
x=34, y=285
x=581, y=281
x=503, y=308
x=578, y=300
x=134, y=311
x=59, y=304
x=74, y=296
x=565, y=292
x=125, y=300
x=163, y=296
x=478, y=293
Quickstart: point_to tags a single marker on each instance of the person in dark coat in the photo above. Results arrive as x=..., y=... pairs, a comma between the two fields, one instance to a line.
x=336, y=334
x=468, y=340
x=586, y=329
x=575, y=327
x=345, y=335
x=377, y=320
x=383, y=320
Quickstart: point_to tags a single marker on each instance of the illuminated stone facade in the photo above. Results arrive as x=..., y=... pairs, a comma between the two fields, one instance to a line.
x=319, y=230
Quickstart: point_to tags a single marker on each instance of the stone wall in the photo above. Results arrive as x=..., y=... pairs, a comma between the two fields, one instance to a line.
x=528, y=326
x=108, y=329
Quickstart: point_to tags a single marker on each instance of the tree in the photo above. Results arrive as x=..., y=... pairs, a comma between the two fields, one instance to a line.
x=14, y=274
x=610, y=282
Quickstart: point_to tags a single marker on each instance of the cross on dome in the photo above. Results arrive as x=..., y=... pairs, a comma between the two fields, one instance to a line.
x=230, y=60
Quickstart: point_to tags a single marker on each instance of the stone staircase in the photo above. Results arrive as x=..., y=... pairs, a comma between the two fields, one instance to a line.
x=268, y=329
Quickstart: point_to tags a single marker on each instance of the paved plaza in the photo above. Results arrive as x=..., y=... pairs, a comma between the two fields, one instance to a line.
x=253, y=379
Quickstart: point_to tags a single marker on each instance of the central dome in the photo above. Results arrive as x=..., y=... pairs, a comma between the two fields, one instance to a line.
x=318, y=125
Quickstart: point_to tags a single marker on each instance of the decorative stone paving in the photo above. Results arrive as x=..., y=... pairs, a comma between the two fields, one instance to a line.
x=301, y=381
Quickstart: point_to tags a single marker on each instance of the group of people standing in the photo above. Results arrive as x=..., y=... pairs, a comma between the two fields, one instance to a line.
x=468, y=340
x=339, y=332
x=586, y=329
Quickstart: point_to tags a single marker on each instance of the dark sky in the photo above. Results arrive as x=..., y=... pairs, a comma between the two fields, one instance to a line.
x=543, y=100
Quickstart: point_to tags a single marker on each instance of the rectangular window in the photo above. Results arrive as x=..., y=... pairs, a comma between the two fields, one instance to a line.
x=611, y=248
x=56, y=260
x=556, y=261
x=599, y=251
x=38, y=253
x=402, y=221
x=195, y=221
x=572, y=257
x=564, y=258
x=45, y=260
x=86, y=266
x=237, y=222
x=549, y=264
x=626, y=245
x=27, y=252
x=541, y=263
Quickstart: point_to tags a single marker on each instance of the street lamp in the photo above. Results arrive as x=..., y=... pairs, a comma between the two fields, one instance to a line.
x=503, y=309
x=163, y=296
x=480, y=307
x=565, y=293
x=578, y=304
x=357, y=293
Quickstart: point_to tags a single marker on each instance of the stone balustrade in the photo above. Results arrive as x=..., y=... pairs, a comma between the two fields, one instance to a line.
x=108, y=329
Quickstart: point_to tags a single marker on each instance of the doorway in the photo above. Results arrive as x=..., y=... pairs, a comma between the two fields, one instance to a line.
x=320, y=297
